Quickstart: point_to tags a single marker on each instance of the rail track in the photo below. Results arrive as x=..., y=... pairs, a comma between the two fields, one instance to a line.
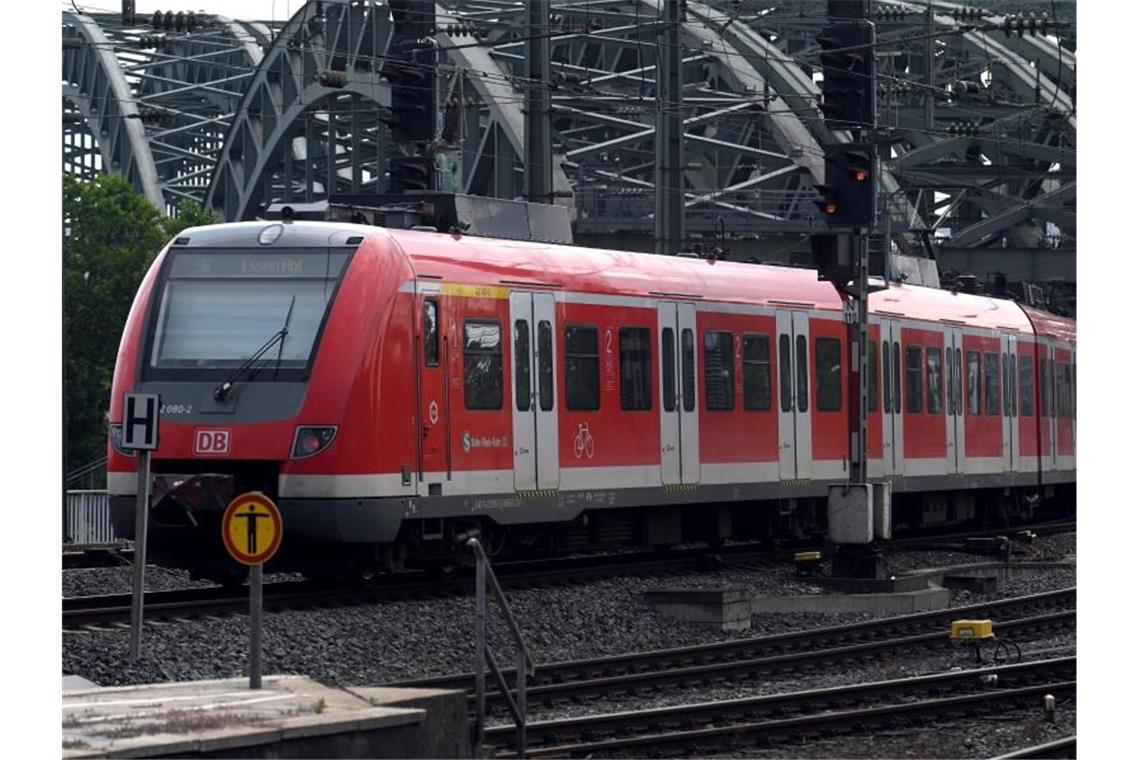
x=196, y=602
x=787, y=652
x=1061, y=748
x=730, y=723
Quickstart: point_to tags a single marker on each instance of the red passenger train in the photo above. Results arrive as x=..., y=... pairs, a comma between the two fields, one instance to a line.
x=390, y=389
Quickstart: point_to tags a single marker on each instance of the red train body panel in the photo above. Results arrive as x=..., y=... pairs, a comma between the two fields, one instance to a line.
x=509, y=383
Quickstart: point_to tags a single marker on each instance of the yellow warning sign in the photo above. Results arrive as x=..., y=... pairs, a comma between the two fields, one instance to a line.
x=251, y=528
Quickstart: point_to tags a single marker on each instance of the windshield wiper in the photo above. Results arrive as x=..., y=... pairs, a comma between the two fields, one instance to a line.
x=224, y=388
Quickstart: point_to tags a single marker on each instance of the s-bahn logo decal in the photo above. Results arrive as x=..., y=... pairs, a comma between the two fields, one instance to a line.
x=212, y=442
x=483, y=442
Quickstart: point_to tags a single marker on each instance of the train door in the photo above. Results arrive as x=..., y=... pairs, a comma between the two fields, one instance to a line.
x=1051, y=420
x=1011, y=435
x=891, y=332
x=432, y=381
x=534, y=409
x=955, y=421
x=793, y=367
x=680, y=435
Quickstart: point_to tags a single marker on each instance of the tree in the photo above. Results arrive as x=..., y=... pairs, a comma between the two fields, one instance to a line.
x=111, y=234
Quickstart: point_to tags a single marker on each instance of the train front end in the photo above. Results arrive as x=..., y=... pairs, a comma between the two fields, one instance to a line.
x=257, y=337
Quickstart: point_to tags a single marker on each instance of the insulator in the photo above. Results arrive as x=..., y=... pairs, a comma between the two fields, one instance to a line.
x=156, y=20
x=191, y=22
x=333, y=79
x=1031, y=23
x=168, y=21
x=180, y=21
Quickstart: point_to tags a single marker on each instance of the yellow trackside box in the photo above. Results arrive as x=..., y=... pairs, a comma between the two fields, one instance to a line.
x=807, y=556
x=971, y=630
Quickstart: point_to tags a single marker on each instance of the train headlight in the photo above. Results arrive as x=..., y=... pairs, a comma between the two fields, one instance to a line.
x=117, y=441
x=312, y=439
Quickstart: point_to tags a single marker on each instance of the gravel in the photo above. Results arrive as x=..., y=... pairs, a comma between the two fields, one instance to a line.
x=411, y=639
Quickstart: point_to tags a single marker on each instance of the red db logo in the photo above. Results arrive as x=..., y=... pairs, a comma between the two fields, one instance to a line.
x=211, y=442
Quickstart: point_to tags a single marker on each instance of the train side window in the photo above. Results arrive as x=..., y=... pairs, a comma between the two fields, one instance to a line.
x=757, y=373
x=896, y=377
x=801, y=374
x=720, y=385
x=828, y=379
x=581, y=360
x=431, y=332
x=914, y=379
x=1063, y=404
x=872, y=376
x=950, y=407
x=1043, y=382
x=634, y=361
x=958, y=378
x=993, y=403
x=482, y=364
x=522, y=365
x=1006, y=393
x=785, y=374
x=545, y=365
x=933, y=381
x=668, y=371
x=887, y=377
x=688, y=370
x=1025, y=375
x=973, y=382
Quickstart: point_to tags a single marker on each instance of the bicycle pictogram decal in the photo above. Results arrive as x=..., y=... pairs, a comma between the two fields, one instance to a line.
x=584, y=442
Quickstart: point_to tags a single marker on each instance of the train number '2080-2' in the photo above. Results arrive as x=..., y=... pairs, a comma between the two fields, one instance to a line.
x=176, y=409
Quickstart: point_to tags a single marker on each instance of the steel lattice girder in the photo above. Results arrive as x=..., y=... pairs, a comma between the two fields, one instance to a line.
x=190, y=81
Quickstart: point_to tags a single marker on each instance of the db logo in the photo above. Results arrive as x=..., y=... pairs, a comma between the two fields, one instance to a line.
x=211, y=442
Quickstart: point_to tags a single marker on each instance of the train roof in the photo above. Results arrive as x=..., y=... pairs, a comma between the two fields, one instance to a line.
x=491, y=261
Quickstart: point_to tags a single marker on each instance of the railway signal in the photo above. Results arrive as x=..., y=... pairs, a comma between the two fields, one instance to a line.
x=847, y=57
x=848, y=193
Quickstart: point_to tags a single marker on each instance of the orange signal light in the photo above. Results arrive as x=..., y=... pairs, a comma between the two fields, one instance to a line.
x=860, y=175
x=831, y=209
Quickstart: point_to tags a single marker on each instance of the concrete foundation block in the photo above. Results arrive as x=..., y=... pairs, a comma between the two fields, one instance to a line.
x=729, y=608
x=890, y=604
x=881, y=507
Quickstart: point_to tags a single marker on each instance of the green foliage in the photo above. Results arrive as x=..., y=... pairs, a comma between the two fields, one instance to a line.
x=111, y=234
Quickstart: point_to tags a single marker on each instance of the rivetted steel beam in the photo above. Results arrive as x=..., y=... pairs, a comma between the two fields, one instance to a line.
x=94, y=81
x=1045, y=206
x=669, y=217
x=537, y=171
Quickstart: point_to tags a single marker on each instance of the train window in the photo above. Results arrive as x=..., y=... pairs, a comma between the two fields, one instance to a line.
x=801, y=374
x=887, y=377
x=668, y=371
x=1043, y=384
x=757, y=374
x=896, y=377
x=950, y=407
x=431, y=332
x=993, y=403
x=872, y=376
x=482, y=364
x=545, y=365
x=720, y=385
x=1063, y=390
x=785, y=374
x=1025, y=375
x=581, y=346
x=1006, y=395
x=688, y=371
x=828, y=378
x=933, y=381
x=522, y=365
x=634, y=360
x=973, y=382
x=914, y=379
x=958, y=378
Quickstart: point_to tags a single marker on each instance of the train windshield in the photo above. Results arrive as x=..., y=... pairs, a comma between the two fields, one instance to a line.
x=219, y=308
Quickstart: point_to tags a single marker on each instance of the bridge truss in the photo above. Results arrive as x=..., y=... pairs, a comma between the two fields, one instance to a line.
x=978, y=127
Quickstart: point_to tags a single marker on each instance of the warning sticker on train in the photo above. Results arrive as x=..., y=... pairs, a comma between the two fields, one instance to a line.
x=251, y=528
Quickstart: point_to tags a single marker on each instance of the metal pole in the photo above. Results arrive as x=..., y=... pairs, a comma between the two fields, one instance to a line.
x=142, y=501
x=520, y=698
x=255, y=627
x=859, y=454
x=669, y=205
x=536, y=137
x=928, y=65
x=480, y=650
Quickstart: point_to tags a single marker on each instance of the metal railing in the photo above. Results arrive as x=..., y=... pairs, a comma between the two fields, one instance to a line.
x=87, y=518
x=485, y=658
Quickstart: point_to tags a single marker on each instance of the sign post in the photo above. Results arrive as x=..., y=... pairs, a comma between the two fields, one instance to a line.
x=140, y=433
x=251, y=532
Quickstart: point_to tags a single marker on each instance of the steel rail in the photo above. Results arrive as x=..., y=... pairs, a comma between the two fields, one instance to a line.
x=769, y=706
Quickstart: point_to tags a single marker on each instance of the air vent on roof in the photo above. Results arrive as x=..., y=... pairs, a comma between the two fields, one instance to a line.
x=355, y=240
x=181, y=241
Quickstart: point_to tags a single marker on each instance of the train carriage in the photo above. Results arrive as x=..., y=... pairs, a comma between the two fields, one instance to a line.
x=412, y=385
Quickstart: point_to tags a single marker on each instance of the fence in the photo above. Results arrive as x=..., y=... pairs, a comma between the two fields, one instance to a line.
x=87, y=519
